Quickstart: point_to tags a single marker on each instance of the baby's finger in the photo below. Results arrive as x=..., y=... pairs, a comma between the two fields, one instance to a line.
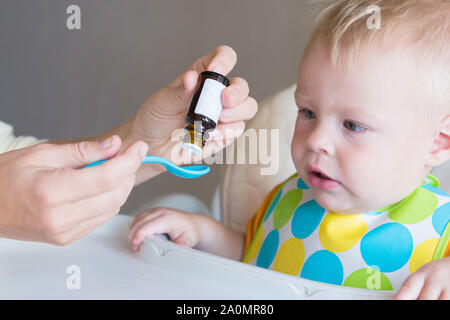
x=158, y=225
x=236, y=93
x=430, y=291
x=185, y=239
x=411, y=288
x=445, y=294
x=245, y=111
x=143, y=218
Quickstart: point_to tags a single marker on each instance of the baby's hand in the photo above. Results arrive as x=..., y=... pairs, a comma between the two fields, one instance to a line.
x=430, y=282
x=182, y=227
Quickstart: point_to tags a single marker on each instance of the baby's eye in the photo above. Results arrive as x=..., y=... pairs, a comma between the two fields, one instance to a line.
x=353, y=126
x=307, y=113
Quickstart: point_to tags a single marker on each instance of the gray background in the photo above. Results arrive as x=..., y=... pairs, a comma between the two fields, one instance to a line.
x=57, y=83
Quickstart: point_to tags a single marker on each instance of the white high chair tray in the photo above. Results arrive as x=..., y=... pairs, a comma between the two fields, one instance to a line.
x=109, y=269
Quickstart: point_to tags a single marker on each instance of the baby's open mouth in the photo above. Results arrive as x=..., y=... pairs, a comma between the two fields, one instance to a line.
x=321, y=180
x=320, y=175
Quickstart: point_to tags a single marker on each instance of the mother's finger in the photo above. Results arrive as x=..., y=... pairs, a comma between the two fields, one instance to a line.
x=175, y=98
x=70, y=185
x=89, y=226
x=221, y=60
x=107, y=201
x=85, y=210
x=245, y=111
x=236, y=93
x=222, y=136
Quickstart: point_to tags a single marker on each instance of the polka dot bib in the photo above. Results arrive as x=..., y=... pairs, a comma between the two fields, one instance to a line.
x=374, y=250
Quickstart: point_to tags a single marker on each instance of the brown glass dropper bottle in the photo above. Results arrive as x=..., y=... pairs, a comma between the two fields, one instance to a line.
x=204, y=110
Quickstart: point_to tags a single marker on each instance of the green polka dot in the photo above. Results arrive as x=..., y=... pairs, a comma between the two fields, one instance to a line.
x=417, y=207
x=368, y=278
x=387, y=208
x=286, y=207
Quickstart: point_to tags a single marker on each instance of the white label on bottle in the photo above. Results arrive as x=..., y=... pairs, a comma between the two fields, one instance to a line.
x=209, y=103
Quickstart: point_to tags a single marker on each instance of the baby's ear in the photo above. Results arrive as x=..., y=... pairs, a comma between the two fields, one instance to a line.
x=441, y=145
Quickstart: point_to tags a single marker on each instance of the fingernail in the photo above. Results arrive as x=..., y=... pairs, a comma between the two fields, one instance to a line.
x=105, y=144
x=144, y=150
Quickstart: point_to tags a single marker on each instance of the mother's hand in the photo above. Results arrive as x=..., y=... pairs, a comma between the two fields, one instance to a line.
x=163, y=114
x=47, y=196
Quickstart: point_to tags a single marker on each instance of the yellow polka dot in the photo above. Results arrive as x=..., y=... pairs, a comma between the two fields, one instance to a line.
x=339, y=232
x=254, y=247
x=422, y=254
x=290, y=257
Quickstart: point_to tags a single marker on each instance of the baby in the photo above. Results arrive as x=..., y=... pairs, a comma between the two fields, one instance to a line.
x=373, y=120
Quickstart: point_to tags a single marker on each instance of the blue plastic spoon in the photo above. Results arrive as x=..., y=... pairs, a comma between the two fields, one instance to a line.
x=188, y=172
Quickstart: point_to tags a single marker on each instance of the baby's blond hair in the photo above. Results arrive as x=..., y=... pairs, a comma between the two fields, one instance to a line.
x=421, y=25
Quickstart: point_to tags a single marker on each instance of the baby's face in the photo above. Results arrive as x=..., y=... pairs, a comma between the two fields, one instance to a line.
x=362, y=129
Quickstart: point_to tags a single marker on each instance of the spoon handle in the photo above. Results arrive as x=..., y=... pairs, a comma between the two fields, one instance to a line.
x=156, y=159
x=93, y=164
x=147, y=159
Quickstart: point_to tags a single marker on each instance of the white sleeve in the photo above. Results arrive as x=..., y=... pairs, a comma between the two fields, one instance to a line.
x=9, y=142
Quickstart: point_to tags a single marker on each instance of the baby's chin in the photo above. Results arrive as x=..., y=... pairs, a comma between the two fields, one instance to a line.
x=335, y=203
x=335, y=200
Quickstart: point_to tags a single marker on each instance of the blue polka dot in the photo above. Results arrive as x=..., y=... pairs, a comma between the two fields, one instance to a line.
x=433, y=189
x=323, y=266
x=388, y=247
x=273, y=204
x=373, y=213
x=302, y=185
x=306, y=219
x=268, y=249
x=441, y=217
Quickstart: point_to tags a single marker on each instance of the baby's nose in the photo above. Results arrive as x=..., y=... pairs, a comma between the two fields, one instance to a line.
x=320, y=140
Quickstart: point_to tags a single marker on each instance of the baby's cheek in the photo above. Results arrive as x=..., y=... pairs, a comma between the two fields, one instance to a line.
x=297, y=151
x=371, y=185
x=359, y=173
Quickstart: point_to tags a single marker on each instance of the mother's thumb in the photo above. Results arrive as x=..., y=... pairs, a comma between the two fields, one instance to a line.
x=178, y=94
x=79, y=154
